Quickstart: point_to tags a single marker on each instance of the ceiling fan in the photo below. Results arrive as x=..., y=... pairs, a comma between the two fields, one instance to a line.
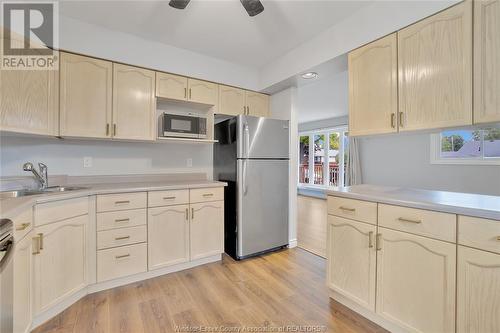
x=253, y=7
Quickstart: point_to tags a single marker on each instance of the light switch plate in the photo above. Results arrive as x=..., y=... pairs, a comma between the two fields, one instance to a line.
x=87, y=162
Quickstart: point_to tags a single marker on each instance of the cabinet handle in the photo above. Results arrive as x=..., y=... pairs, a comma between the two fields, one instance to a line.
x=401, y=121
x=208, y=195
x=187, y=214
x=244, y=110
x=114, y=129
x=107, y=129
x=248, y=110
x=393, y=120
x=498, y=238
x=370, y=239
x=189, y=93
x=192, y=213
x=36, y=247
x=185, y=93
x=169, y=198
x=23, y=226
x=379, y=242
x=122, y=238
x=122, y=220
x=122, y=256
x=122, y=202
x=402, y=219
x=40, y=237
x=347, y=209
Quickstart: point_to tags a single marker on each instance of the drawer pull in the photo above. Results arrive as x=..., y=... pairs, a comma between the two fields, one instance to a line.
x=122, y=202
x=122, y=238
x=402, y=219
x=122, y=256
x=122, y=220
x=370, y=239
x=23, y=226
x=208, y=195
x=169, y=198
x=347, y=209
x=498, y=238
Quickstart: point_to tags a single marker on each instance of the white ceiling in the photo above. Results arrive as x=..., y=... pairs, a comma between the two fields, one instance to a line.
x=218, y=28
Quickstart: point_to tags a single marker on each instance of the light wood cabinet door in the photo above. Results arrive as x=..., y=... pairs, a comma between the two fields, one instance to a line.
x=168, y=236
x=435, y=70
x=23, y=278
x=231, y=101
x=29, y=99
x=206, y=229
x=373, y=87
x=85, y=96
x=60, y=267
x=478, y=291
x=416, y=281
x=203, y=92
x=171, y=86
x=486, y=61
x=133, y=103
x=257, y=104
x=352, y=260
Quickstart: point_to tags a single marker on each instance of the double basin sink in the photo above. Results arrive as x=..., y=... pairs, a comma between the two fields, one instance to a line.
x=51, y=189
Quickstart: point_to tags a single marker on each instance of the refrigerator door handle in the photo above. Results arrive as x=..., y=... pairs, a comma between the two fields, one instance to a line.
x=246, y=131
x=244, y=182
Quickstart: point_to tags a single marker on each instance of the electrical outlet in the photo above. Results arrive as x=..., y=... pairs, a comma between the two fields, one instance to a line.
x=87, y=162
x=189, y=162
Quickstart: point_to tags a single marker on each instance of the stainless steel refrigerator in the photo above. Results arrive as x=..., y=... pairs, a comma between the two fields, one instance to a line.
x=252, y=156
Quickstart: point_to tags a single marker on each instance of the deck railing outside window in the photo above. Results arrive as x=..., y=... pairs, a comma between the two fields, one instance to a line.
x=318, y=174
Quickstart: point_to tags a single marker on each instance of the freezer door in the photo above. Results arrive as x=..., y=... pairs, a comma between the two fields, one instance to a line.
x=262, y=205
x=262, y=137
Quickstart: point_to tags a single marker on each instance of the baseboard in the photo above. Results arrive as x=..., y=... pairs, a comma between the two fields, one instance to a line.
x=93, y=288
x=292, y=243
x=366, y=313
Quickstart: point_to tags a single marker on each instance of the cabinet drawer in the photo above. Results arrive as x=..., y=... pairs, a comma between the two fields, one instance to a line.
x=121, y=219
x=23, y=224
x=167, y=198
x=479, y=233
x=120, y=237
x=418, y=221
x=111, y=202
x=206, y=194
x=121, y=261
x=363, y=211
x=60, y=210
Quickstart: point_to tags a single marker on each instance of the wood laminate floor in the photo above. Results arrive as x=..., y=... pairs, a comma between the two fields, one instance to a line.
x=282, y=288
x=311, y=224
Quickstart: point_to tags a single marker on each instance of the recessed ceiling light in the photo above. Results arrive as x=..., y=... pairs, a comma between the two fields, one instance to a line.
x=309, y=75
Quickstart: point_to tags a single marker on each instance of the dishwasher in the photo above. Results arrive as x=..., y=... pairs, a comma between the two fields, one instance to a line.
x=6, y=276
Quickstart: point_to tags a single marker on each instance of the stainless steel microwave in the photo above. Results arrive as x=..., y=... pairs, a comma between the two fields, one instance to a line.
x=183, y=125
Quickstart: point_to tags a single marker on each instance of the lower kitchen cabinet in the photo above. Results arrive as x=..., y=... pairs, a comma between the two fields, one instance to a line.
x=206, y=229
x=352, y=260
x=168, y=236
x=23, y=278
x=478, y=291
x=60, y=261
x=416, y=281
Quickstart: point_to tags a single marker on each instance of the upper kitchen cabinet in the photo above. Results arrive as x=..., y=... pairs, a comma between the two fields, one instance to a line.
x=133, y=103
x=435, y=70
x=231, y=100
x=29, y=99
x=486, y=61
x=85, y=96
x=202, y=92
x=373, y=88
x=257, y=104
x=171, y=86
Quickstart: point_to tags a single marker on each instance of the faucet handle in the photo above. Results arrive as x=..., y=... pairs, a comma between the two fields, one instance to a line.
x=28, y=166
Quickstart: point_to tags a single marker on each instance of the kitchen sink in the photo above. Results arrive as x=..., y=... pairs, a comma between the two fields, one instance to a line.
x=63, y=189
x=52, y=189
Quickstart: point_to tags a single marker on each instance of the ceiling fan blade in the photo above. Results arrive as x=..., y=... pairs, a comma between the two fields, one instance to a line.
x=253, y=7
x=179, y=4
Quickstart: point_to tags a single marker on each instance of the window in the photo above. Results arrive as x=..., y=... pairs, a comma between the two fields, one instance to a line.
x=468, y=146
x=322, y=157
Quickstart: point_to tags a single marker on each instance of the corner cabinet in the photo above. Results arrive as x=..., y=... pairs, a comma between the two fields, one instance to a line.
x=206, y=229
x=435, y=70
x=86, y=87
x=486, y=61
x=134, y=103
x=373, y=88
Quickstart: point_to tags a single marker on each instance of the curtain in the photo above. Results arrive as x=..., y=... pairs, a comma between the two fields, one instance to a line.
x=353, y=168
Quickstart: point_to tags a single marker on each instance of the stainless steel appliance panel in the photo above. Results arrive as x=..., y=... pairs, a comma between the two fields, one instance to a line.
x=262, y=138
x=262, y=205
x=6, y=276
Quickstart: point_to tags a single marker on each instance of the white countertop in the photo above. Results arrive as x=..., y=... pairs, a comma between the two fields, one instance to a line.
x=478, y=205
x=12, y=206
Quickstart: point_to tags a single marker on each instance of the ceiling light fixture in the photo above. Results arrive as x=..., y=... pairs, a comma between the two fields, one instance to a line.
x=310, y=75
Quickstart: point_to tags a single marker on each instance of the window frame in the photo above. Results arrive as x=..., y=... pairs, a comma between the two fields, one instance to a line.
x=342, y=130
x=436, y=158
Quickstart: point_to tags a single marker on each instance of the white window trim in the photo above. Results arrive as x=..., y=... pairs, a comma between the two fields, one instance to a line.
x=437, y=159
x=311, y=134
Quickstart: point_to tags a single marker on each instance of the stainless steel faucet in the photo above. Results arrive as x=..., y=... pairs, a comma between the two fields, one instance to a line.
x=41, y=177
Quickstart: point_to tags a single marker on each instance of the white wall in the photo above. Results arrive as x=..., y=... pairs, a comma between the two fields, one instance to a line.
x=404, y=160
x=100, y=42
x=283, y=106
x=65, y=157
